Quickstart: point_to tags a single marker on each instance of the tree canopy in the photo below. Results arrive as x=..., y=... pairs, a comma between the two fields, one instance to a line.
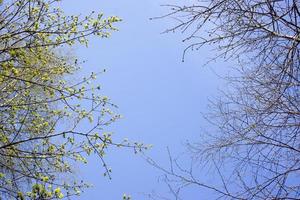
x=253, y=147
x=43, y=103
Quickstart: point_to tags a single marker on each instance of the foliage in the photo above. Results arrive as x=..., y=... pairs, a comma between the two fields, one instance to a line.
x=254, y=147
x=42, y=107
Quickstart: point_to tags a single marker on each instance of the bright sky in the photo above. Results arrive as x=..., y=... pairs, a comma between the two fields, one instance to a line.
x=160, y=97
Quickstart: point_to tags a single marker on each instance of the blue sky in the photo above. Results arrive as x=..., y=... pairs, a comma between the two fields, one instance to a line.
x=160, y=97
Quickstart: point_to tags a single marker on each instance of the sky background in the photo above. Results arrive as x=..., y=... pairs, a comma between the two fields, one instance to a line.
x=160, y=97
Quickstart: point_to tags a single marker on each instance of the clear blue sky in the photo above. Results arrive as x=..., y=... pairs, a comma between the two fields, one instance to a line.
x=160, y=97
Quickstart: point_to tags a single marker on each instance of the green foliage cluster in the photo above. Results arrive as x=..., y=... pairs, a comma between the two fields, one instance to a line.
x=41, y=109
